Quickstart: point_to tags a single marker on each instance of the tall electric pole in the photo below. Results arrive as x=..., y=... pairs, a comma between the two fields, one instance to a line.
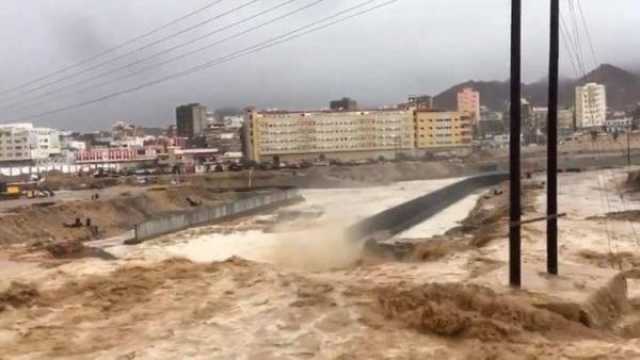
x=552, y=143
x=515, y=211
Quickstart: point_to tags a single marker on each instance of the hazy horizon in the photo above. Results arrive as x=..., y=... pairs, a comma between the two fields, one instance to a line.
x=411, y=46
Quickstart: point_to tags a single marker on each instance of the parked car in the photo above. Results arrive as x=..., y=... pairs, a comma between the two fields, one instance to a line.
x=265, y=166
x=235, y=167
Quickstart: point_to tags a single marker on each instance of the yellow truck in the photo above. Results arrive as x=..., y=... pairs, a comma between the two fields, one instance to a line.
x=10, y=191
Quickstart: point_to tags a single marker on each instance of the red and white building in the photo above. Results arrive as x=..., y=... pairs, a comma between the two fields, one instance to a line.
x=114, y=155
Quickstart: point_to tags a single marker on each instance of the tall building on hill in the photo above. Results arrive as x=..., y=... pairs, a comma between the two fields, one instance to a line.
x=469, y=103
x=191, y=120
x=591, y=105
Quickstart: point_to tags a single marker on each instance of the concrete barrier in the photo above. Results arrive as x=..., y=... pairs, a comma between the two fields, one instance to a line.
x=175, y=222
x=390, y=222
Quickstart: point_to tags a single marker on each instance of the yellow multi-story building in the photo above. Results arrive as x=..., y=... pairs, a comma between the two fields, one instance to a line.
x=350, y=134
x=435, y=129
x=334, y=134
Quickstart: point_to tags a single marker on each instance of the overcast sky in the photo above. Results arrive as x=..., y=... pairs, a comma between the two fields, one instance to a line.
x=411, y=46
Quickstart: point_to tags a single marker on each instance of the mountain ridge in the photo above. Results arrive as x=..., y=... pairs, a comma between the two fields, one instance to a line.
x=623, y=90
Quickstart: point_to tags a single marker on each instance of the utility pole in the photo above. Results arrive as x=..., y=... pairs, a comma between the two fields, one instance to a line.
x=552, y=143
x=515, y=211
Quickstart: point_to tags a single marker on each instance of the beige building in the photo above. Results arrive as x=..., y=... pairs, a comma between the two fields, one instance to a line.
x=469, y=103
x=334, y=134
x=435, y=129
x=291, y=136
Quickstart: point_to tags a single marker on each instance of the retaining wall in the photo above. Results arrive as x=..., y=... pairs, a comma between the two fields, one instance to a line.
x=402, y=217
x=201, y=216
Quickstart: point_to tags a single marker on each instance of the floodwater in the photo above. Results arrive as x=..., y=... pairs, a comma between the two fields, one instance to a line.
x=443, y=221
x=319, y=243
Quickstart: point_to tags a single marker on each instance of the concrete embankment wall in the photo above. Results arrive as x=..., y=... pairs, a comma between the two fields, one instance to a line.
x=402, y=217
x=175, y=222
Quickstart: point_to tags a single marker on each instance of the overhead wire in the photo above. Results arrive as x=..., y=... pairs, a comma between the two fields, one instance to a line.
x=75, y=85
x=566, y=41
x=114, y=48
x=594, y=55
x=576, y=47
x=291, y=35
x=138, y=49
x=588, y=33
x=600, y=148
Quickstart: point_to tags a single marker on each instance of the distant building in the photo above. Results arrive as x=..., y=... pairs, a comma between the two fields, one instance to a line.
x=225, y=139
x=591, y=105
x=191, y=120
x=635, y=115
x=211, y=118
x=566, y=119
x=421, y=102
x=487, y=115
x=326, y=134
x=491, y=123
x=233, y=121
x=526, y=113
x=442, y=129
x=541, y=116
x=621, y=124
x=344, y=104
x=114, y=155
x=22, y=142
x=469, y=103
x=96, y=139
x=122, y=130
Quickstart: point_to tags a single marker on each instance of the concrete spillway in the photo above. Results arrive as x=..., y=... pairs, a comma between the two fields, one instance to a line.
x=323, y=242
x=407, y=215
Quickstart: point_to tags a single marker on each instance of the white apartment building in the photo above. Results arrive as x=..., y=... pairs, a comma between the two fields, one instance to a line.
x=292, y=135
x=469, y=103
x=22, y=142
x=591, y=105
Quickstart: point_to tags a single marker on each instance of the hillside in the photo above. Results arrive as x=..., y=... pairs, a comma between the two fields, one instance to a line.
x=623, y=89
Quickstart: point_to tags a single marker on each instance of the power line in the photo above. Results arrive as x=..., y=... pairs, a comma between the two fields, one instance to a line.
x=565, y=42
x=136, y=50
x=588, y=33
x=596, y=63
x=244, y=52
x=604, y=199
x=113, y=49
x=74, y=85
x=577, y=41
x=612, y=237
